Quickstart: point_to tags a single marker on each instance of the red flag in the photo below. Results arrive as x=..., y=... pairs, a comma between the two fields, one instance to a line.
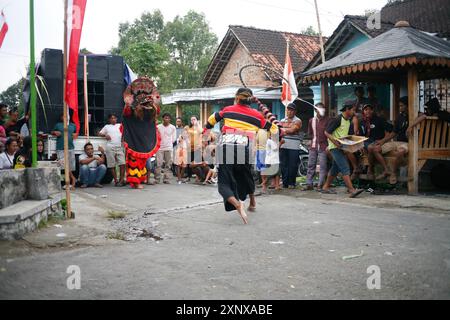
x=289, y=92
x=3, y=28
x=75, y=17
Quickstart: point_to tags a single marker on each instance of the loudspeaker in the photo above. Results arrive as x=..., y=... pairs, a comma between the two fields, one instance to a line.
x=51, y=64
x=116, y=68
x=97, y=68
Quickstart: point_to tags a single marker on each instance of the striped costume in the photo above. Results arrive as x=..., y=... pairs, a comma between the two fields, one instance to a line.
x=241, y=123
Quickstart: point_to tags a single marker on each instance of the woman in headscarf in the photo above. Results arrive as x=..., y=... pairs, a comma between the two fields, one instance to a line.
x=241, y=123
x=139, y=127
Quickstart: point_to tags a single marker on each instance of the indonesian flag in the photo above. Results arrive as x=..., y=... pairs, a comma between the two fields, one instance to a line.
x=289, y=92
x=3, y=28
x=75, y=17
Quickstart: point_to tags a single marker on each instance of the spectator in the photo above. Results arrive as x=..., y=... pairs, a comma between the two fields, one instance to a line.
x=338, y=128
x=378, y=131
x=2, y=147
x=164, y=155
x=3, y=113
x=2, y=134
x=7, y=157
x=92, y=167
x=23, y=157
x=40, y=150
x=181, y=157
x=195, y=147
x=261, y=145
x=433, y=108
x=373, y=101
x=14, y=124
x=359, y=103
x=272, y=161
x=399, y=147
x=58, y=131
x=318, y=148
x=115, y=155
x=290, y=149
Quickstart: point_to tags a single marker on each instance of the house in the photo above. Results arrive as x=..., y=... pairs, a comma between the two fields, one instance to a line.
x=249, y=47
x=430, y=16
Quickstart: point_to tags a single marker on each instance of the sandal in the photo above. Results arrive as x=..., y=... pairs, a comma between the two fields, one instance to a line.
x=356, y=193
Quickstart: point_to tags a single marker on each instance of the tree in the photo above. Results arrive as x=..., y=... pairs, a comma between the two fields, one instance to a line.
x=12, y=96
x=175, y=54
x=310, y=31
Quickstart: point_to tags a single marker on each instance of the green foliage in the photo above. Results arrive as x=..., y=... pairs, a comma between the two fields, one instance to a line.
x=13, y=95
x=310, y=31
x=175, y=54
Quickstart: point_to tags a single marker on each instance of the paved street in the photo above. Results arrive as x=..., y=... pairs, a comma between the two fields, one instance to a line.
x=177, y=242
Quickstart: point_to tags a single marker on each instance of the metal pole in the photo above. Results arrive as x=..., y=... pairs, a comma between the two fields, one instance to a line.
x=66, y=131
x=320, y=32
x=33, y=89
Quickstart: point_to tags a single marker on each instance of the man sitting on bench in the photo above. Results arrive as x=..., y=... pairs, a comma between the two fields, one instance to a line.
x=399, y=147
x=378, y=131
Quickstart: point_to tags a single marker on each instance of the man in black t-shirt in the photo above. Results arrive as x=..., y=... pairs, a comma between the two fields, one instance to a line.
x=399, y=147
x=378, y=132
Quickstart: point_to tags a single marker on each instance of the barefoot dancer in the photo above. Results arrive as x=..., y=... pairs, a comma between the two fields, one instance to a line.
x=241, y=123
x=140, y=134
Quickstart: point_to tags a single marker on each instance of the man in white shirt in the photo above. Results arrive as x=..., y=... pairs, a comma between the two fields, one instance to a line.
x=92, y=167
x=115, y=155
x=164, y=159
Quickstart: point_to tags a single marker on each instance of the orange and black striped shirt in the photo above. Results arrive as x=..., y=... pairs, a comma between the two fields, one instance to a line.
x=241, y=119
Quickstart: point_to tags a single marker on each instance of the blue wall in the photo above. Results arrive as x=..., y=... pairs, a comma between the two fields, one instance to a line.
x=353, y=42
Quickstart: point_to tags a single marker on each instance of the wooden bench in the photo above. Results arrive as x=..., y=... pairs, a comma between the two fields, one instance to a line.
x=434, y=141
x=434, y=144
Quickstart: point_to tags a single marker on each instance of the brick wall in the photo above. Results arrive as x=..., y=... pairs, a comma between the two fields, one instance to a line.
x=252, y=76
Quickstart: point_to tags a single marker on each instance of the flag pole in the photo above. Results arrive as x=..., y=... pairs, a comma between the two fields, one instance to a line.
x=86, y=107
x=66, y=130
x=320, y=32
x=33, y=89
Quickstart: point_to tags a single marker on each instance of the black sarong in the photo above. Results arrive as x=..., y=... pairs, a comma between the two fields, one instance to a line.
x=234, y=173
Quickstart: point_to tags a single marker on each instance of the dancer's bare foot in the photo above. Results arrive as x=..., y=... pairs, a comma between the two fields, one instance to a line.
x=242, y=213
x=139, y=186
x=251, y=208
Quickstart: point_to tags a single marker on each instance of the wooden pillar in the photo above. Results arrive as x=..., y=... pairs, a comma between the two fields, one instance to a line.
x=178, y=111
x=413, y=144
x=395, y=100
x=324, y=94
x=333, y=103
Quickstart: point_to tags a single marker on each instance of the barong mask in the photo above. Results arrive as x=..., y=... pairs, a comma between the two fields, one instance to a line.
x=142, y=92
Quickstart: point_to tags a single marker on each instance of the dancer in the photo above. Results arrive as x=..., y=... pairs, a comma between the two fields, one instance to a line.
x=241, y=123
x=140, y=134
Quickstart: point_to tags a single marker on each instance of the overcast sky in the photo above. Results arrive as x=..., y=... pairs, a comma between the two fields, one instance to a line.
x=100, y=31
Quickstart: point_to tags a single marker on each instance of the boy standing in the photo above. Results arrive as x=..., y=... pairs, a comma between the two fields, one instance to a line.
x=114, y=149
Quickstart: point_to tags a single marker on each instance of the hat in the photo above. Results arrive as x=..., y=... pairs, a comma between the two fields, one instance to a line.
x=291, y=106
x=367, y=105
x=347, y=105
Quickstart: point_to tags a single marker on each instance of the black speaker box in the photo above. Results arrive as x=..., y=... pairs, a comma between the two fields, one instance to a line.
x=52, y=64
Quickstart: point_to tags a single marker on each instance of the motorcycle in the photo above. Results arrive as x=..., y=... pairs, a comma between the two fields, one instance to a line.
x=303, y=163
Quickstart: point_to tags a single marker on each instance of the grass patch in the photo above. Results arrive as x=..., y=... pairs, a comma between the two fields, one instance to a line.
x=116, y=214
x=116, y=236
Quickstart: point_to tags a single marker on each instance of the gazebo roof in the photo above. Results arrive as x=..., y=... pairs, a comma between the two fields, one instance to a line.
x=397, y=47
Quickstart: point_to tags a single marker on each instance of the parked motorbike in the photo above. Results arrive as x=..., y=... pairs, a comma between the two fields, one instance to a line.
x=304, y=158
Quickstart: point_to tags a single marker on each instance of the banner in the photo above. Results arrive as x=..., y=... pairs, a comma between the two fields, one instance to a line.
x=3, y=28
x=289, y=92
x=75, y=17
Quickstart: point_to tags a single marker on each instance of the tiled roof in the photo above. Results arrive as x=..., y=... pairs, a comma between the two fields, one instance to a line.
x=427, y=15
x=267, y=47
x=345, y=31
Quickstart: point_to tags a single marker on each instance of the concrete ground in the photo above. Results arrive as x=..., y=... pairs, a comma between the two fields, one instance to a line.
x=177, y=242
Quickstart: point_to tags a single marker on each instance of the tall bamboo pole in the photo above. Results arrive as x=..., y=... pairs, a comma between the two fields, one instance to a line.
x=86, y=107
x=320, y=32
x=33, y=89
x=66, y=124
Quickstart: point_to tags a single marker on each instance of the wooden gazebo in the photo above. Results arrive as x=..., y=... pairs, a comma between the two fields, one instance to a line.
x=402, y=54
